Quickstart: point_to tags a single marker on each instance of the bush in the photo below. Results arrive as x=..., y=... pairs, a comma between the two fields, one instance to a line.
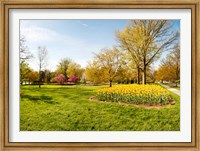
x=136, y=94
x=73, y=79
x=60, y=78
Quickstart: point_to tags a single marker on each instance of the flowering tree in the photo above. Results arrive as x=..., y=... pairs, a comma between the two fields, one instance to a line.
x=73, y=79
x=60, y=78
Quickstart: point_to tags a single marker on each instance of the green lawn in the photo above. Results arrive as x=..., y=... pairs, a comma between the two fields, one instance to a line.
x=68, y=108
x=178, y=88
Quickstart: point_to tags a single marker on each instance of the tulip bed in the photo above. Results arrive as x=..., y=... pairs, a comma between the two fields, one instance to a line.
x=135, y=94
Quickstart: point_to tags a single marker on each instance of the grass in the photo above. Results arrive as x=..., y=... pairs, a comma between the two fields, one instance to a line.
x=178, y=88
x=68, y=108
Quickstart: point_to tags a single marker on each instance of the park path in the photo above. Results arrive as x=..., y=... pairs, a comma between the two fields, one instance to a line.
x=172, y=89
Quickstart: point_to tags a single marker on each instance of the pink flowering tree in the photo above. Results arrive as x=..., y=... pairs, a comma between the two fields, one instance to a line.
x=60, y=78
x=73, y=79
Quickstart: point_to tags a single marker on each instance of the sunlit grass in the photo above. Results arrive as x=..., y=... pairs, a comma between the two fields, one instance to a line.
x=68, y=108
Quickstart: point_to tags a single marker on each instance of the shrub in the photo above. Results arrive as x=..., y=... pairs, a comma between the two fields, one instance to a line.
x=136, y=94
x=73, y=79
x=60, y=78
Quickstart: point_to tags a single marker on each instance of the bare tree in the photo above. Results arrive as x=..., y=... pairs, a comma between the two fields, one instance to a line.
x=24, y=51
x=42, y=61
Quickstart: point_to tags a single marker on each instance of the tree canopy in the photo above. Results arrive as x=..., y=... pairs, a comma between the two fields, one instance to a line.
x=145, y=40
x=63, y=66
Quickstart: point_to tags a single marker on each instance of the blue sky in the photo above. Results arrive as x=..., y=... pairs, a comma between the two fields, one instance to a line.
x=75, y=39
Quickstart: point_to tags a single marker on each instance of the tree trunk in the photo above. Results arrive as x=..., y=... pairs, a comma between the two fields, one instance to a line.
x=40, y=67
x=144, y=76
x=144, y=71
x=39, y=84
x=138, y=76
x=110, y=83
x=39, y=79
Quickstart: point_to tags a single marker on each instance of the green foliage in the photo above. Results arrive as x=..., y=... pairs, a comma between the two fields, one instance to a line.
x=63, y=67
x=106, y=63
x=95, y=74
x=75, y=69
x=68, y=108
x=32, y=76
x=170, y=67
x=146, y=40
x=24, y=70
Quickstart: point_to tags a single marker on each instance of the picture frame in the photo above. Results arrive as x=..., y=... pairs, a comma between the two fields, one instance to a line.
x=111, y=4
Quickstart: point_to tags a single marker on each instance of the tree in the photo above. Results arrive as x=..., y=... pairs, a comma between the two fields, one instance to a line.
x=176, y=60
x=126, y=72
x=53, y=74
x=170, y=66
x=25, y=55
x=42, y=61
x=24, y=70
x=145, y=40
x=109, y=60
x=63, y=66
x=42, y=76
x=150, y=75
x=83, y=77
x=60, y=78
x=165, y=73
x=32, y=76
x=24, y=51
x=73, y=79
x=75, y=69
x=48, y=76
x=94, y=73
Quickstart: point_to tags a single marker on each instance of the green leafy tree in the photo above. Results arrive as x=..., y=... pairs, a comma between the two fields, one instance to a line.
x=48, y=76
x=94, y=73
x=109, y=60
x=63, y=66
x=170, y=66
x=75, y=69
x=24, y=70
x=32, y=76
x=145, y=40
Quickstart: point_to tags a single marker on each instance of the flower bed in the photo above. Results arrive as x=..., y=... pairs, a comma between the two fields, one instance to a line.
x=136, y=94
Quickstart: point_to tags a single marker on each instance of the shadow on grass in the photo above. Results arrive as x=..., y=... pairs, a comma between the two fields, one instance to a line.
x=38, y=99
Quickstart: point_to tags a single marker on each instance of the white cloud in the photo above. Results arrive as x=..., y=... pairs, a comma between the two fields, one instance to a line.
x=34, y=33
x=83, y=24
x=86, y=25
x=82, y=62
x=59, y=46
